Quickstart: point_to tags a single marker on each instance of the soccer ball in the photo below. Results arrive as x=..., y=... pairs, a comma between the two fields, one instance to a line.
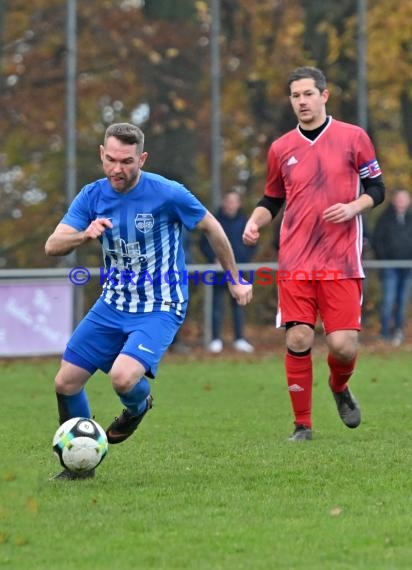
x=80, y=444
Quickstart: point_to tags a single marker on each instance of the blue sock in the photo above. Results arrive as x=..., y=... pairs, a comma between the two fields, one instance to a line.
x=135, y=400
x=74, y=406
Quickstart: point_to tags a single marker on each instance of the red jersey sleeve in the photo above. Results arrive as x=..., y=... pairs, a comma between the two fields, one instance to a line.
x=274, y=187
x=366, y=160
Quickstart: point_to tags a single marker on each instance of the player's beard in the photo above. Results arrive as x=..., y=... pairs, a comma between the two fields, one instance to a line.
x=123, y=183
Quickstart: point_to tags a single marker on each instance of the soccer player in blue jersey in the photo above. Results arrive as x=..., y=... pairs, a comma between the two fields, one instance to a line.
x=138, y=218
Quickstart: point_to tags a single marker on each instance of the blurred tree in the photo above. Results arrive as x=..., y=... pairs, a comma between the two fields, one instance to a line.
x=172, y=72
x=129, y=69
x=263, y=40
x=390, y=87
x=325, y=27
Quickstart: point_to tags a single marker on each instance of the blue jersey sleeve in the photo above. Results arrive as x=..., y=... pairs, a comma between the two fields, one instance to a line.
x=78, y=215
x=187, y=207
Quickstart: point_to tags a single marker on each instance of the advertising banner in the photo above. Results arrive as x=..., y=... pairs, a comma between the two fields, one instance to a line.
x=35, y=317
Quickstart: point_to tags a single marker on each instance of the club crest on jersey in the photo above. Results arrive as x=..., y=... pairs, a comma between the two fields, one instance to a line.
x=144, y=222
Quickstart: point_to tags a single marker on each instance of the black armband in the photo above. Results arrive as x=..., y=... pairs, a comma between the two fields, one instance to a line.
x=375, y=188
x=271, y=204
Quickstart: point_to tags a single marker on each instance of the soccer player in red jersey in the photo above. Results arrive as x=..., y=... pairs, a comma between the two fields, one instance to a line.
x=326, y=173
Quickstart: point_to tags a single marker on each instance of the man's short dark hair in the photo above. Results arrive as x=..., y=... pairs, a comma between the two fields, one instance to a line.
x=126, y=133
x=308, y=72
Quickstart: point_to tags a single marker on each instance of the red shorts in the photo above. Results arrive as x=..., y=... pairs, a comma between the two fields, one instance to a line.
x=337, y=302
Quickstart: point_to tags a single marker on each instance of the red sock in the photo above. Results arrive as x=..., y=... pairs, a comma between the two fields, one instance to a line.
x=300, y=378
x=340, y=372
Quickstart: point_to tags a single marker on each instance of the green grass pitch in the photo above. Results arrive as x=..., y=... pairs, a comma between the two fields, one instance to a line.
x=209, y=480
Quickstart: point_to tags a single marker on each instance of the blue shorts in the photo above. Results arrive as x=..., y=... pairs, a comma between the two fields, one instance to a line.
x=105, y=332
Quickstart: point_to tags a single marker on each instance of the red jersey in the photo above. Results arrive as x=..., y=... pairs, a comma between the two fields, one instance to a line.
x=311, y=176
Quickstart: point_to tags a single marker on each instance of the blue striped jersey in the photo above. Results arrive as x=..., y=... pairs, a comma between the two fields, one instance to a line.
x=144, y=261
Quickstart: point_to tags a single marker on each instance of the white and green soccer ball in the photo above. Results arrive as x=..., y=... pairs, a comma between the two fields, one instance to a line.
x=80, y=444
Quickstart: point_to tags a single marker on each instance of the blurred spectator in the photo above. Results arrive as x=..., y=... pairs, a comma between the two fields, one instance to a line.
x=392, y=240
x=233, y=221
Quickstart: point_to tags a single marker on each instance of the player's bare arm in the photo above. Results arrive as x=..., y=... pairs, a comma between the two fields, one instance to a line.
x=259, y=218
x=65, y=239
x=221, y=246
x=344, y=212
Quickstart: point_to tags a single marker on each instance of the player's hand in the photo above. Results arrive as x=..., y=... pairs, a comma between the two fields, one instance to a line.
x=251, y=233
x=243, y=293
x=97, y=228
x=340, y=213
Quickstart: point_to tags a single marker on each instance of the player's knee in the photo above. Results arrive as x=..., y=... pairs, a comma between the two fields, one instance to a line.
x=343, y=345
x=126, y=372
x=124, y=380
x=60, y=385
x=344, y=353
x=67, y=384
x=299, y=338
